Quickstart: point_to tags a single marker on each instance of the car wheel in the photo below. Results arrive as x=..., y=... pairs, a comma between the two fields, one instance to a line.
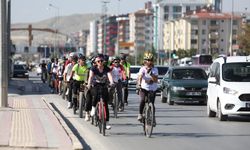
x=221, y=117
x=210, y=113
x=169, y=99
x=163, y=99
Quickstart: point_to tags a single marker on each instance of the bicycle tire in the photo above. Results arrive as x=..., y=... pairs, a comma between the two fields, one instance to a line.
x=81, y=104
x=99, y=120
x=149, y=118
x=115, y=108
x=103, y=119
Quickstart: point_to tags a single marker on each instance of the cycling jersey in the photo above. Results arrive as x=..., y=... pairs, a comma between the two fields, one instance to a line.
x=146, y=76
x=126, y=67
x=100, y=77
x=81, y=72
x=68, y=70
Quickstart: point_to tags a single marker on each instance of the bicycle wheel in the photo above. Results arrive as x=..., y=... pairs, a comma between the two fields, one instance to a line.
x=149, y=119
x=99, y=116
x=115, y=100
x=103, y=119
x=81, y=103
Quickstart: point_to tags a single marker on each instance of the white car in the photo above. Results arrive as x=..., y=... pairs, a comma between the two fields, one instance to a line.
x=228, y=90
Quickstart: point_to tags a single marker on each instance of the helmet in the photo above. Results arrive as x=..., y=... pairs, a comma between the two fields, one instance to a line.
x=82, y=57
x=71, y=54
x=148, y=56
x=116, y=58
x=74, y=58
x=123, y=57
x=106, y=58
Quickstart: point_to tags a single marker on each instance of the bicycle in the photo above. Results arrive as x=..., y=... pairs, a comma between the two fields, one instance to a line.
x=148, y=116
x=82, y=99
x=115, y=102
x=99, y=118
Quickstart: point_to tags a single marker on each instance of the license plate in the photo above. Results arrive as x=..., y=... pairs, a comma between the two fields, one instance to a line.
x=193, y=93
x=247, y=105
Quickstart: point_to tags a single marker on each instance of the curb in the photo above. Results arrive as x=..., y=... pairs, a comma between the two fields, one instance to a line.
x=75, y=141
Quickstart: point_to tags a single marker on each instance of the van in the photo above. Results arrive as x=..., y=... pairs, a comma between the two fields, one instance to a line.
x=228, y=90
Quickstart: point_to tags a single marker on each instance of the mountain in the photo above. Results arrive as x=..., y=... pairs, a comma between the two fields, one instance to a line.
x=64, y=24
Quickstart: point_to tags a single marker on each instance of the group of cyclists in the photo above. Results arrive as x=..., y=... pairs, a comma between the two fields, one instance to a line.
x=68, y=75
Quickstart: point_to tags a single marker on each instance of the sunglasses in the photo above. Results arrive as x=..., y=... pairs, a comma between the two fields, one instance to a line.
x=98, y=61
x=148, y=59
x=116, y=62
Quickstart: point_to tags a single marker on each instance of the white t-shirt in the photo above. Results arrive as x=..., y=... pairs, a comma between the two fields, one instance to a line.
x=116, y=74
x=146, y=77
x=68, y=70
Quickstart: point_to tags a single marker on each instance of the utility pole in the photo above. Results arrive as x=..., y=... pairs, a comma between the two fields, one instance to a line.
x=231, y=37
x=3, y=55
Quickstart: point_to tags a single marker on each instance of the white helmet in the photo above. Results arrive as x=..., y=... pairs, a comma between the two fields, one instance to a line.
x=71, y=54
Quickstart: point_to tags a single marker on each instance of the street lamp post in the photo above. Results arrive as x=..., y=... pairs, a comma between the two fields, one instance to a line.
x=104, y=24
x=3, y=55
x=56, y=29
x=231, y=37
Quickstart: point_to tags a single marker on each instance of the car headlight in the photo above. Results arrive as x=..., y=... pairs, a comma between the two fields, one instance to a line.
x=204, y=89
x=176, y=88
x=229, y=91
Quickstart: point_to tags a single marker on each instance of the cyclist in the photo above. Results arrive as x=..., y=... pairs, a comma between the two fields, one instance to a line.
x=54, y=79
x=44, y=70
x=102, y=75
x=79, y=73
x=147, y=82
x=126, y=66
x=49, y=74
x=69, y=60
x=69, y=80
x=118, y=75
x=60, y=71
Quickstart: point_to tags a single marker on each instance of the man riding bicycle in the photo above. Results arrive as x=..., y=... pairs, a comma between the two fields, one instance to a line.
x=118, y=74
x=79, y=73
x=147, y=82
x=126, y=66
x=102, y=77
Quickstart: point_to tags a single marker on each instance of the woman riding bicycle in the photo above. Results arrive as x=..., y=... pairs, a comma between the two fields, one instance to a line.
x=102, y=77
x=147, y=82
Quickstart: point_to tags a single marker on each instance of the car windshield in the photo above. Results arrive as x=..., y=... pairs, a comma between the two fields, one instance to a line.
x=19, y=67
x=189, y=74
x=239, y=72
x=162, y=70
x=134, y=69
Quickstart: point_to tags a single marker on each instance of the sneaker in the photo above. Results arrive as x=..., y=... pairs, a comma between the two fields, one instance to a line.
x=108, y=127
x=92, y=113
x=69, y=105
x=139, y=118
x=87, y=118
x=126, y=103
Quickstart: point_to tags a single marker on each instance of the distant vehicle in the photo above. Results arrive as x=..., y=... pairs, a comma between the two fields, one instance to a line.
x=202, y=60
x=184, y=84
x=133, y=76
x=20, y=71
x=162, y=70
x=228, y=90
x=187, y=61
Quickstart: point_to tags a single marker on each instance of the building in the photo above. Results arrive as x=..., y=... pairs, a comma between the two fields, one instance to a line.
x=167, y=10
x=123, y=34
x=141, y=30
x=207, y=32
x=92, y=39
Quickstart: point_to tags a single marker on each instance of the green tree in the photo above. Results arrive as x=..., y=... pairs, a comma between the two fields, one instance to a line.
x=244, y=41
x=181, y=53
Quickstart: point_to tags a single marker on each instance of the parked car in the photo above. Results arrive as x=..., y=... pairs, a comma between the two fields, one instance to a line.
x=184, y=84
x=162, y=70
x=133, y=76
x=20, y=71
x=228, y=90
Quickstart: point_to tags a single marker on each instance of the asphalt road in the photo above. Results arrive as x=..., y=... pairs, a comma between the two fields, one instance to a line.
x=182, y=126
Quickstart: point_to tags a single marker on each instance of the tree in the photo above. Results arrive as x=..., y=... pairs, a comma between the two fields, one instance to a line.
x=244, y=41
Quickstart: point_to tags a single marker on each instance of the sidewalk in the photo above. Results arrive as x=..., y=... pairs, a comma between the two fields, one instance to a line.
x=30, y=123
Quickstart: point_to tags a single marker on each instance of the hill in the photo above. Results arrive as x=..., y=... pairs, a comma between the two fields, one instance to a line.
x=64, y=24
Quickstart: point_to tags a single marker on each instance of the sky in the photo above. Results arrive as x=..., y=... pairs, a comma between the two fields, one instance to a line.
x=24, y=11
